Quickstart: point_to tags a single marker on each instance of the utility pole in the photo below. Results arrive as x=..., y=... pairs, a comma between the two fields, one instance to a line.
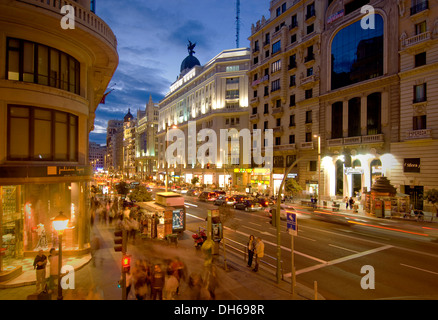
x=277, y=218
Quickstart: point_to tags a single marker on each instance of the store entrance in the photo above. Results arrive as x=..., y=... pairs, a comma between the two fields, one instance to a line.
x=416, y=195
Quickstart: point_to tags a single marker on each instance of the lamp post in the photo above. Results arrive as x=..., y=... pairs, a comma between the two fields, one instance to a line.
x=60, y=224
x=167, y=146
x=319, y=167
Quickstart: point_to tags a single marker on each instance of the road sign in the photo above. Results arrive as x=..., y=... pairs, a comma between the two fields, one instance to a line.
x=292, y=226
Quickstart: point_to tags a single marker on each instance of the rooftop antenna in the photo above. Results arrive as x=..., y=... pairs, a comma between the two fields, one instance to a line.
x=237, y=23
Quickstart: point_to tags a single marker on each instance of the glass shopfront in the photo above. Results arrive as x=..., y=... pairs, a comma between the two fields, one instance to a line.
x=28, y=211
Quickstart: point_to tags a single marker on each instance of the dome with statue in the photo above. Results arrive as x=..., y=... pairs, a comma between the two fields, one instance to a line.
x=190, y=61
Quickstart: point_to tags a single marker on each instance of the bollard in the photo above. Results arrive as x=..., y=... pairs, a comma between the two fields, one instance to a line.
x=315, y=288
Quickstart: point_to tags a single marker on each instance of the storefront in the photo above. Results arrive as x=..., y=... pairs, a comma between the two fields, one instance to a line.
x=28, y=210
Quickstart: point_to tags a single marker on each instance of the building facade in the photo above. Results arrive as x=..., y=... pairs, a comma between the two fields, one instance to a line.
x=213, y=96
x=51, y=82
x=285, y=77
x=96, y=156
x=416, y=151
x=146, y=141
x=360, y=97
x=113, y=161
x=128, y=145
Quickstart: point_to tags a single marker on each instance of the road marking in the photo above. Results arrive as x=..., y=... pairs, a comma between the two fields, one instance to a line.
x=190, y=204
x=193, y=216
x=256, y=224
x=343, y=259
x=332, y=245
x=405, y=265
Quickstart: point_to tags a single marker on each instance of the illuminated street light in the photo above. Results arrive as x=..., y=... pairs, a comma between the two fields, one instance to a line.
x=60, y=224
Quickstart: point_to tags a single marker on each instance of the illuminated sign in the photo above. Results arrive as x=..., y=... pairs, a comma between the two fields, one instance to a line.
x=412, y=165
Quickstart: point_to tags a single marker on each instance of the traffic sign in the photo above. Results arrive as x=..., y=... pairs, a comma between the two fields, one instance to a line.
x=292, y=226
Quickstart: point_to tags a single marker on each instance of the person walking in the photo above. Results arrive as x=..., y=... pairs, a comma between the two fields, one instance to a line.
x=39, y=264
x=54, y=263
x=251, y=247
x=157, y=283
x=351, y=202
x=259, y=253
x=346, y=202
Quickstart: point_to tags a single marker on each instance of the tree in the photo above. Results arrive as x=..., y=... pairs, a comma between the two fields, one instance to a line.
x=432, y=196
x=122, y=188
x=292, y=187
x=140, y=194
x=195, y=180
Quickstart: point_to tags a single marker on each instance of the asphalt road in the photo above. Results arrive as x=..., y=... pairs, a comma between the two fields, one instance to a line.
x=349, y=258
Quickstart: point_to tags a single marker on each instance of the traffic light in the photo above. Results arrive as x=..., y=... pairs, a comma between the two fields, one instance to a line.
x=273, y=217
x=208, y=165
x=120, y=241
x=126, y=264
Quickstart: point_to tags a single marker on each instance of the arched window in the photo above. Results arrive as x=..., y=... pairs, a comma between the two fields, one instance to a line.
x=357, y=54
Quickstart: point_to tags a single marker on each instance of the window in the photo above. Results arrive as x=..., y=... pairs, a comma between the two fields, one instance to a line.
x=292, y=81
x=308, y=136
x=374, y=102
x=255, y=94
x=266, y=53
x=232, y=68
x=292, y=120
x=266, y=109
x=266, y=93
x=357, y=54
x=276, y=66
x=294, y=22
x=292, y=139
x=232, y=94
x=265, y=125
x=292, y=61
x=308, y=93
x=419, y=123
x=37, y=134
x=309, y=116
x=290, y=159
x=278, y=122
x=232, y=80
x=277, y=141
x=275, y=85
x=310, y=11
x=256, y=46
x=419, y=6
x=354, y=117
x=267, y=39
x=293, y=38
x=292, y=101
x=420, y=59
x=313, y=166
x=276, y=47
x=281, y=9
x=310, y=72
x=337, y=117
x=310, y=55
x=310, y=28
x=420, y=28
x=254, y=110
x=255, y=60
x=36, y=63
x=420, y=93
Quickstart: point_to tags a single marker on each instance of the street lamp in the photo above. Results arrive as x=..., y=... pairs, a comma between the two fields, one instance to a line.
x=167, y=146
x=60, y=224
x=319, y=166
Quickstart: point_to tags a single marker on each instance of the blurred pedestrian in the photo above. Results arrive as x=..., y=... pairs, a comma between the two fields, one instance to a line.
x=39, y=264
x=54, y=264
x=251, y=247
x=157, y=283
x=211, y=281
x=140, y=280
x=259, y=253
x=351, y=202
x=197, y=289
x=94, y=249
x=346, y=202
x=171, y=285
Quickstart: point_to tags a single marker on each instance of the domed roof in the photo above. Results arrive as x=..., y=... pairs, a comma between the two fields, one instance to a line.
x=128, y=117
x=189, y=62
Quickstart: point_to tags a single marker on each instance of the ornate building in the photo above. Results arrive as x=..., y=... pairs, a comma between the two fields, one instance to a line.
x=51, y=82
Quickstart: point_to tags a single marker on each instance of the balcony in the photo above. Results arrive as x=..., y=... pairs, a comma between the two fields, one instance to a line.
x=84, y=17
x=418, y=134
x=254, y=117
x=335, y=142
x=309, y=80
x=376, y=138
x=352, y=140
x=420, y=7
x=278, y=112
x=418, y=39
x=306, y=145
x=278, y=131
x=285, y=147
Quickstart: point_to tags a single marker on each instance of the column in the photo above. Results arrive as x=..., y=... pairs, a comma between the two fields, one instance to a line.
x=363, y=115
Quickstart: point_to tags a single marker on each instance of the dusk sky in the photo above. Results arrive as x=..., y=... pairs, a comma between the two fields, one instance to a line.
x=152, y=42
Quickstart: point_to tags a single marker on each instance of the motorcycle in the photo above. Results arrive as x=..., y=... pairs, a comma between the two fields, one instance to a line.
x=199, y=238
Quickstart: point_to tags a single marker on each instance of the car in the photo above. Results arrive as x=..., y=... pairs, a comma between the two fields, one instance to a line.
x=207, y=196
x=248, y=205
x=220, y=192
x=193, y=192
x=265, y=202
x=283, y=211
x=239, y=198
x=184, y=190
x=224, y=201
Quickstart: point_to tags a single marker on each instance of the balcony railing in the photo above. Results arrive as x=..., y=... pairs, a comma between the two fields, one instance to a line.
x=83, y=16
x=353, y=140
x=373, y=138
x=419, y=38
x=419, y=134
x=420, y=7
x=306, y=145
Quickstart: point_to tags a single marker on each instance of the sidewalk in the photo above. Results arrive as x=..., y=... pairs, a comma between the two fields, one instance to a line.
x=237, y=283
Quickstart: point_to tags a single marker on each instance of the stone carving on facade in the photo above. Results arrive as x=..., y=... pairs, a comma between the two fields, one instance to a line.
x=401, y=7
x=435, y=27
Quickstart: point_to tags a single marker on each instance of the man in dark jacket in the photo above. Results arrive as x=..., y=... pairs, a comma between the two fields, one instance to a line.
x=39, y=264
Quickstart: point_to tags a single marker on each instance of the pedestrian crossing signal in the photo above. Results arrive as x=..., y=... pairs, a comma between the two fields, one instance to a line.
x=118, y=240
x=126, y=264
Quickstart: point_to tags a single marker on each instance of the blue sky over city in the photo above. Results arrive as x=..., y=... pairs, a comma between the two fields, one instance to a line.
x=152, y=42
